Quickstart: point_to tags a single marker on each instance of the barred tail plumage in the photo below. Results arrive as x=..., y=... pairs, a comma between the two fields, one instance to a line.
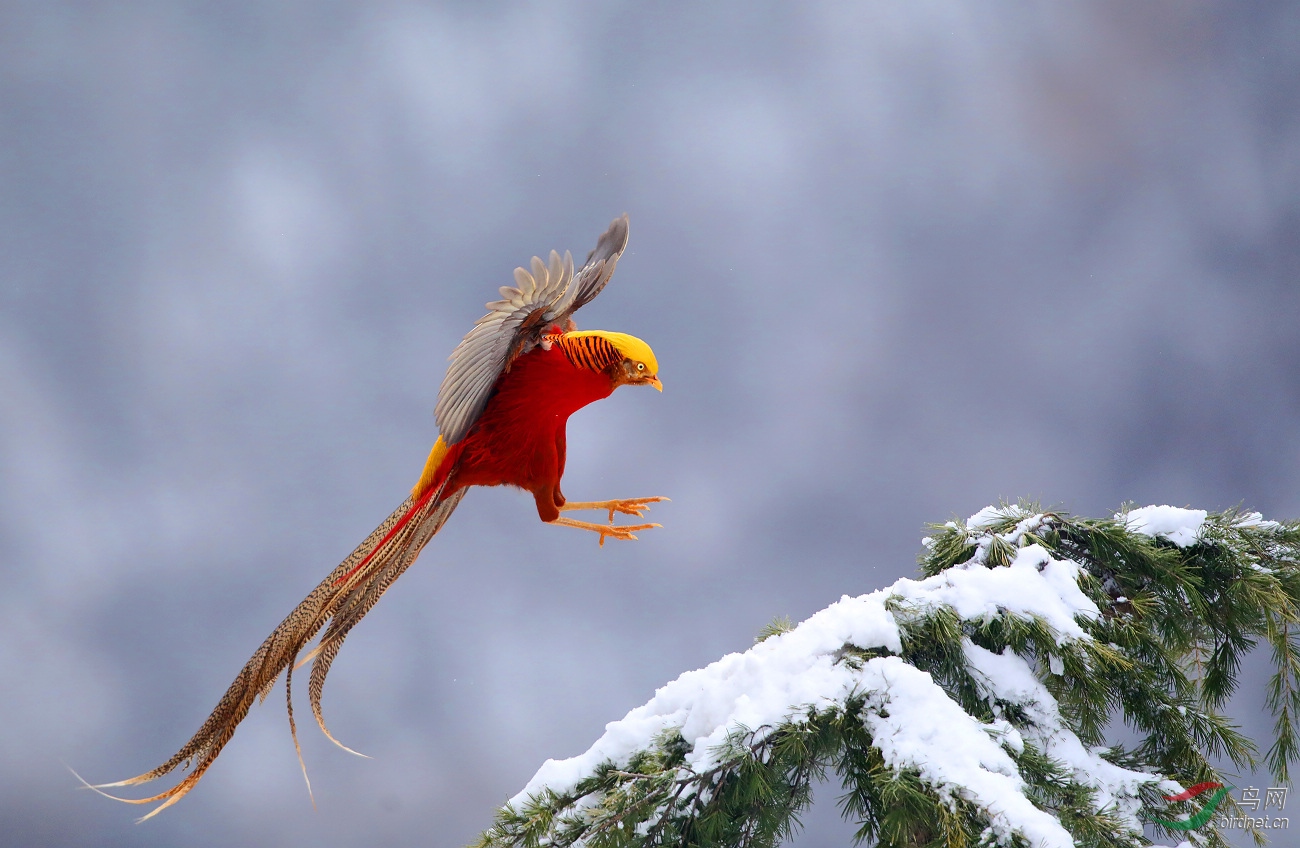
x=340, y=600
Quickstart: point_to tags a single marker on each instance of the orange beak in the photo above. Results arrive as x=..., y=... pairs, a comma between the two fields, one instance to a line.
x=654, y=381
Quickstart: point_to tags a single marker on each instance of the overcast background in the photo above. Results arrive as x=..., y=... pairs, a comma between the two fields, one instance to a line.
x=898, y=261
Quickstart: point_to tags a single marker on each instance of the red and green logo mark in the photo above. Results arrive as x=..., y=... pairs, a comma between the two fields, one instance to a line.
x=1200, y=817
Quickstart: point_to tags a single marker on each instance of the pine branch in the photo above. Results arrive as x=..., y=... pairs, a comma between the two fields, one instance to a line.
x=966, y=708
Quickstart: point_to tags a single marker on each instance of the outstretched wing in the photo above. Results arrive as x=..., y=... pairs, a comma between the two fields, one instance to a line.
x=541, y=298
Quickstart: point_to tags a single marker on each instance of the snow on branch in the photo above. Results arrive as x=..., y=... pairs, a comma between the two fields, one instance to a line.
x=967, y=706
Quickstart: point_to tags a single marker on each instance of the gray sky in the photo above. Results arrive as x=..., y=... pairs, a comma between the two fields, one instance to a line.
x=897, y=260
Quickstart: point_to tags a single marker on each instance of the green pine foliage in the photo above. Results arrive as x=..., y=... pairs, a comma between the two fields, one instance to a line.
x=1162, y=657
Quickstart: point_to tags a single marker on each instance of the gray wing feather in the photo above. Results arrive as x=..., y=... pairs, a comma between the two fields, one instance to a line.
x=543, y=295
x=597, y=270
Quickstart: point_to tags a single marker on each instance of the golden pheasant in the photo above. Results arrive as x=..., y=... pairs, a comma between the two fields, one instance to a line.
x=512, y=384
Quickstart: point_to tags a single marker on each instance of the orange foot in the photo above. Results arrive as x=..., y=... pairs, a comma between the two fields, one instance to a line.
x=627, y=506
x=624, y=531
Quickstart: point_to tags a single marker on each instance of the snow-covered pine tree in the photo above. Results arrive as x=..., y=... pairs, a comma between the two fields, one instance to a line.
x=970, y=707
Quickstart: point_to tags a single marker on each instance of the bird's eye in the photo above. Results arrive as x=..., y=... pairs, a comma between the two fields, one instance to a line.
x=640, y=366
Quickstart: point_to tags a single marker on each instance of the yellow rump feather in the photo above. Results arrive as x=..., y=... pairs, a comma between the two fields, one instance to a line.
x=430, y=469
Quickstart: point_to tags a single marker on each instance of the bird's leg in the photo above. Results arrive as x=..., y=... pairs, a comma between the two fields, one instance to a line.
x=627, y=506
x=550, y=503
x=624, y=531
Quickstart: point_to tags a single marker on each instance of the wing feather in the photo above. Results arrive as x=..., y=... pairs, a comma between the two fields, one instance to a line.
x=598, y=268
x=544, y=295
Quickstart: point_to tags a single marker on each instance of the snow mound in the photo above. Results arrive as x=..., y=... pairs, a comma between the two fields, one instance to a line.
x=1180, y=526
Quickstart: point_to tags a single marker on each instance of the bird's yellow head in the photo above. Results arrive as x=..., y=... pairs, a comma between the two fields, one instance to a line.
x=639, y=366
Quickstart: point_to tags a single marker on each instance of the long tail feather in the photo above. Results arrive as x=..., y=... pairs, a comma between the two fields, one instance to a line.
x=362, y=597
x=340, y=600
x=293, y=732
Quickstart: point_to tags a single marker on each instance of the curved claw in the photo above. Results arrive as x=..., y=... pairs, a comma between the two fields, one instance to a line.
x=624, y=532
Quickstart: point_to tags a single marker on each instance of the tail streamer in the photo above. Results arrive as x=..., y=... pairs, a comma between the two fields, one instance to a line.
x=340, y=601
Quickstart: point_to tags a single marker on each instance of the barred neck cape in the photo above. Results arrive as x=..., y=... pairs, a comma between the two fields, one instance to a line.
x=599, y=349
x=510, y=388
